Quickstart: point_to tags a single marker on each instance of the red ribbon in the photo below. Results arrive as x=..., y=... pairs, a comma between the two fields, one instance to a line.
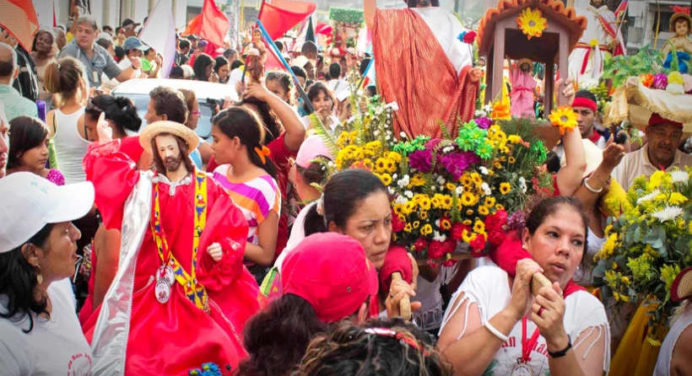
x=527, y=344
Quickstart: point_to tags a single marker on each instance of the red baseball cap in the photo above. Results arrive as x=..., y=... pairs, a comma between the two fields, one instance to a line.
x=656, y=119
x=332, y=273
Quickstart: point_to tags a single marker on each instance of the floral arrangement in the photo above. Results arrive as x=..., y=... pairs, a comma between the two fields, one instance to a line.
x=532, y=23
x=649, y=244
x=450, y=190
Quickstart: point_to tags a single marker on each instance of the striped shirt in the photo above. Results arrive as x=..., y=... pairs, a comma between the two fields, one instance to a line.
x=255, y=198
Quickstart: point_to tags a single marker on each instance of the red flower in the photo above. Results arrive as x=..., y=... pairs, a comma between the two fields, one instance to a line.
x=494, y=222
x=478, y=245
x=420, y=245
x=469, y=37
x=450, y=262
x=397, y=224
x=450, y=245
x=496, y=237
x=458, y=229
x=436, y=250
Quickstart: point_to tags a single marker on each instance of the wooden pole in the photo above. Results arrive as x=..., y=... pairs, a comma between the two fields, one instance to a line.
x=539, y=281
x=405, y=302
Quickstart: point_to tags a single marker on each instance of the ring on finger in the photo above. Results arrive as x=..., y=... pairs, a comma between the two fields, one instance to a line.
x=540, y=311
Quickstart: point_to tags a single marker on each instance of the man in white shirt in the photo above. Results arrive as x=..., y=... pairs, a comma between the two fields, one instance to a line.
x=336, y=84
x=660, y=152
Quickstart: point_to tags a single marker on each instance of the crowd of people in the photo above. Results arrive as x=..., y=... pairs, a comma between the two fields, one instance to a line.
x=131, y=245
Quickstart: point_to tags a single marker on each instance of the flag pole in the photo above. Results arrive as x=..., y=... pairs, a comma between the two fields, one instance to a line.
x=271, y=43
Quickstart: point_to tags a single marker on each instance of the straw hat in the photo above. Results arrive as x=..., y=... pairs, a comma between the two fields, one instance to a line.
x=682, y=286
x=676, y=16
x=165, y=126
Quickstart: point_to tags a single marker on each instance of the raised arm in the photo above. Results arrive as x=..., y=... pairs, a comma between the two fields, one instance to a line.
x=569, y=177
x=295, y=131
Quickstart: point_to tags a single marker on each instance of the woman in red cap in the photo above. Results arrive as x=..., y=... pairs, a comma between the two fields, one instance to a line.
x=327, y=278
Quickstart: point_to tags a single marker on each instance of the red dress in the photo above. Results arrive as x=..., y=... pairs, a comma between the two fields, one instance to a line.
x=177, y=336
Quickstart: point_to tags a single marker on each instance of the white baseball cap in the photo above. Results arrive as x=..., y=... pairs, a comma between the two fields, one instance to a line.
x=29, y=202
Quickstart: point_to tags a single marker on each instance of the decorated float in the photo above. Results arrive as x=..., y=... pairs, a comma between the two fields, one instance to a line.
x=456, y=196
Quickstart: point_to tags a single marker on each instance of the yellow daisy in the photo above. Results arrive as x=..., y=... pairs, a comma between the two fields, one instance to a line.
x=564, y=118
x=532, y=23
x=489, y=201
x=426, y=230
x=445, y=224
x=505, y=188
x=483, y=210
x=468, y=199
x=479, y=226
x=423, y=215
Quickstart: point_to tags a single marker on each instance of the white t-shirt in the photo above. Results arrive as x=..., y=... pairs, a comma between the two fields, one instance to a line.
x=297, y=234
x=55, y=346
x=487, y=287
x=666, y=352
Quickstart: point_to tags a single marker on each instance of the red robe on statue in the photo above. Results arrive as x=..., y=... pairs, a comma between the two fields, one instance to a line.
x=413, y=70
x=177, y=336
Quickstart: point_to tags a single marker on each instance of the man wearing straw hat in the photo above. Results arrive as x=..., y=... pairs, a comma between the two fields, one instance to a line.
x=181, y=283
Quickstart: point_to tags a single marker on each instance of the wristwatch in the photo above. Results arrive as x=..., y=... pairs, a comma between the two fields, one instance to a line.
x=561, y=353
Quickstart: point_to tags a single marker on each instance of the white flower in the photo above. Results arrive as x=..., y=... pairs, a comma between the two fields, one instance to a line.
x=669, y=213
x=486, y=189
x=459, y=190
x=401, y=200
x=404, y=182
x=448, y=149
x=402, y=134
x=439, y=237
x=408, y=194
x=483, y=170
x=522, y=184
x=440, y=180
x=680, y=176
x=648, y=197
x=433, y=188
x=395, y=176
x=393, y=105
x=391, y=190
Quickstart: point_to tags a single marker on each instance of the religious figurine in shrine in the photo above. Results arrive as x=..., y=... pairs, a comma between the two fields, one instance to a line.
x=523, y=89
x=680, y=23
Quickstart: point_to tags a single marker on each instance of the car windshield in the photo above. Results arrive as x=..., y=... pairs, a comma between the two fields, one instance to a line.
x=203, y=125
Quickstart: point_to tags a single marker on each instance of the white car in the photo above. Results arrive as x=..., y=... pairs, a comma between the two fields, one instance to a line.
x=209, y=94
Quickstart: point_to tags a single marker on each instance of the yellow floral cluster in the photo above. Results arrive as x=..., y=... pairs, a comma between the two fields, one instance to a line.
x=648, y=240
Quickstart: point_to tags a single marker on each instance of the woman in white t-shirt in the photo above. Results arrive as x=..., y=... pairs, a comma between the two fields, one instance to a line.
x=493, y=327
x=39, y=330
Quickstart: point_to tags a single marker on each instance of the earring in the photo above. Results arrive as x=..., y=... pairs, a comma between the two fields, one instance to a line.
x=39, y=277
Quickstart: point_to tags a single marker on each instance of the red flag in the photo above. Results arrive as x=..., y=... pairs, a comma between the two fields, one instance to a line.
x=20, y=20
x=211, y=24
x=279, y=16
